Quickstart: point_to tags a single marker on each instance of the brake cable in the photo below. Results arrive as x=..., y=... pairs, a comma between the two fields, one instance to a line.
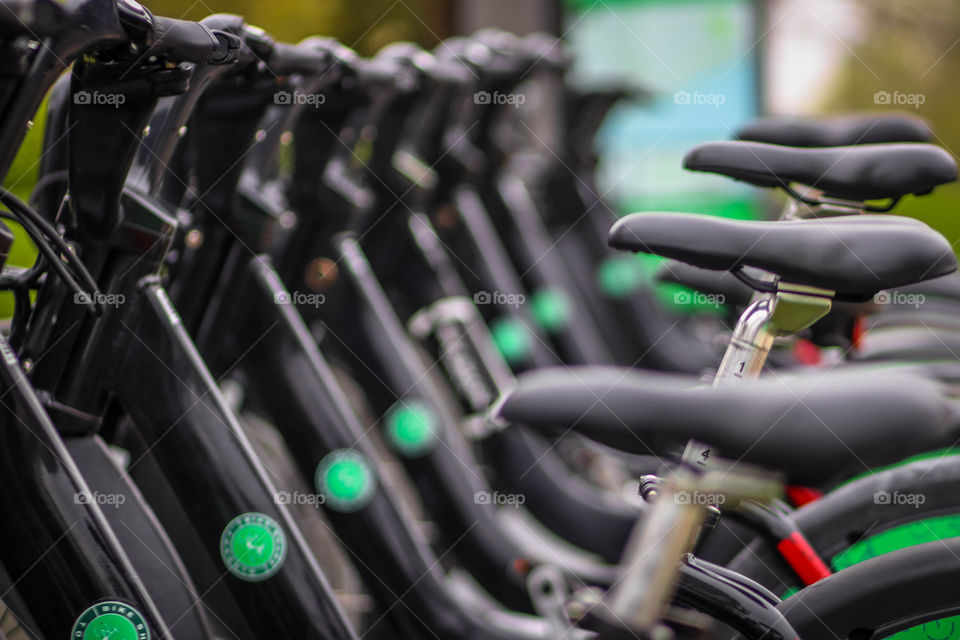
x=791, y=544
x=54, y=251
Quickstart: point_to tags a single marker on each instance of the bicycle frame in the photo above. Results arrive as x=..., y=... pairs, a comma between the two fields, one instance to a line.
x=289, y=381
x=178, y=413
x=312, y=242
x=60, y=525
x=374, y=309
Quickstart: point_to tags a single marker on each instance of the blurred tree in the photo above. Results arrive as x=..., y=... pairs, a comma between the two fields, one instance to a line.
x=365, y=26
x=911, y=47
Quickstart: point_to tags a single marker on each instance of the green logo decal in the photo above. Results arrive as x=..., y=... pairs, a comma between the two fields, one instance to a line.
x=511, y=338
x=346, y=481
x=620, y=275
x=411, y=428
x=552, y=309
x=253, y=546
x=110, y=621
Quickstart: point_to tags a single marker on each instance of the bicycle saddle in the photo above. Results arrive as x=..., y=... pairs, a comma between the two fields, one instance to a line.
x=855, y=256
x=921, y=343
x=810, y=426
x=863, y=172
x=943, y=287
x=837, y=131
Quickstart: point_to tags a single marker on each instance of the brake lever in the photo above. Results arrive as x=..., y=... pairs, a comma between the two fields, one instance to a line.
x=182, y=40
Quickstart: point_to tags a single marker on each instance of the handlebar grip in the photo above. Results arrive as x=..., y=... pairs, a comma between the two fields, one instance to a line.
x=377, y=71
x=451, y=71
x=189, y=41
x=291, y=58
x=547, y=50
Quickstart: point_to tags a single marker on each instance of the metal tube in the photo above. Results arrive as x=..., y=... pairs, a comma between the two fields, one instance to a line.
x=749, y=344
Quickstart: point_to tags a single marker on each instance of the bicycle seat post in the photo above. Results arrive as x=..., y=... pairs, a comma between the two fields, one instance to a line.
x=816, y=205
x=641, y=597
x=750, y=342
x=786, y=311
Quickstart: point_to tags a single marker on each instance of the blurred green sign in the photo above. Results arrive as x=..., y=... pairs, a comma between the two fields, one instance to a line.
x=699, y=59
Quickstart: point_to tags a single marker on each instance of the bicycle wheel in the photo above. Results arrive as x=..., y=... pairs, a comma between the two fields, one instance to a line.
x=910, y=593
x=865, y=518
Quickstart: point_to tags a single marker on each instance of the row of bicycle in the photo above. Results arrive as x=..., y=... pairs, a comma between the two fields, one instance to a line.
x=279, y=280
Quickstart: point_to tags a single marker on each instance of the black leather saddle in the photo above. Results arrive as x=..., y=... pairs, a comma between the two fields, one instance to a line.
x=813, y=426
x=946, y=287
x=863, y=172
x=855, y=256
x=839, y=131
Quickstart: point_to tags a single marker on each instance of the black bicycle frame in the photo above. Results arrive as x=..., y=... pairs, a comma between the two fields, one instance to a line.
x=395, y=360
x=422, y=279
x=578, y=217
x=61, y=524
x=289, y=381
x=60, y=534
x=137, y=361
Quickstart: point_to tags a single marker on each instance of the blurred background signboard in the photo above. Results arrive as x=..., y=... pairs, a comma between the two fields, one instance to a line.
x=699, y=62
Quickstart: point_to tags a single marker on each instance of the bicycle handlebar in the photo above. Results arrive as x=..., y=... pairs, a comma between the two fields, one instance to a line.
x=448, y=71
x=291, y=58
x=189, y=41
x=491, y=66
x=377, y=71
x=547, y=49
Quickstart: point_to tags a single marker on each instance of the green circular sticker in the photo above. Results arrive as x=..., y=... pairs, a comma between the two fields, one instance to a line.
x=619, y=276
x=253, y=546
x=346, y=481
x=110, y=621
x=411, y=428
x=552, y=309
x=511, y=338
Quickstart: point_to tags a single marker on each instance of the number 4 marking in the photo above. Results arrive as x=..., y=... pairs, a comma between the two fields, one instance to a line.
x=705, y=454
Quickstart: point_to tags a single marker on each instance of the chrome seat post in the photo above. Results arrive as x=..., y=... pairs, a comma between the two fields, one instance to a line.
x=750, y=342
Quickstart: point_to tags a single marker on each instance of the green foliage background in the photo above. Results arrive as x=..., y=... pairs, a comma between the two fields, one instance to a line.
x=910, y=46
x=365, y=25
